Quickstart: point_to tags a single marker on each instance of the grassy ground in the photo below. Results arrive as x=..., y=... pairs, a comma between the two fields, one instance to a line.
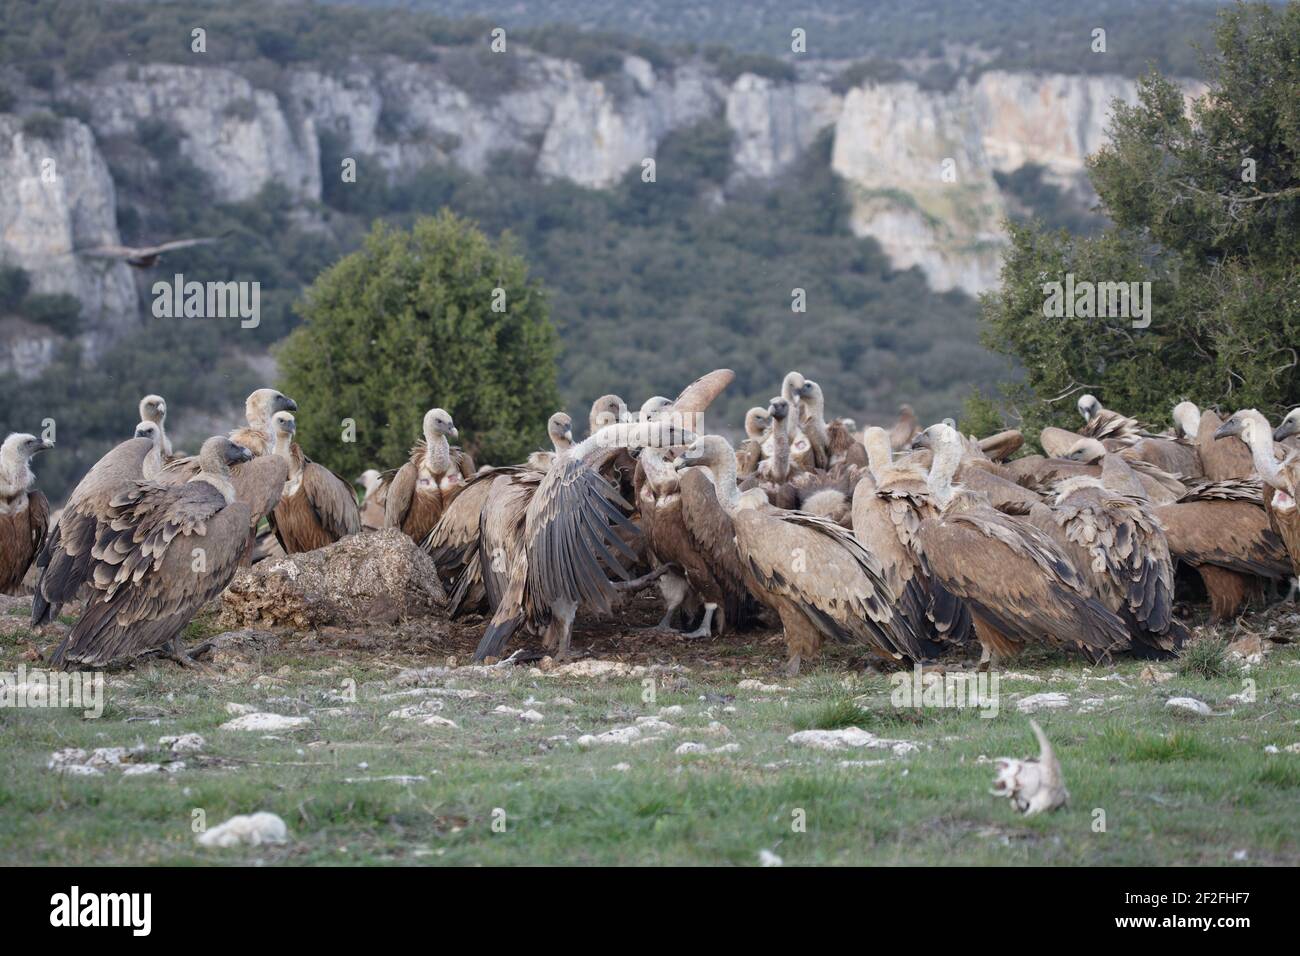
x=1174, y=787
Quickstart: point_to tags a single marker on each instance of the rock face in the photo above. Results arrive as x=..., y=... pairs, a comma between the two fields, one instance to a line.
x=58, y=196
x=362, y=580
x=891, y=141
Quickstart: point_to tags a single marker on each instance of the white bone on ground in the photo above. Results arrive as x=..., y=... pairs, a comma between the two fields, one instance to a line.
x=253, y=830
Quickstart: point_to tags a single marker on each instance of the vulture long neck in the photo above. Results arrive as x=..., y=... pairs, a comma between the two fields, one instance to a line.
x=437, y=453
x=947, y=457
x=216, y=474
x=780, y=450
x=724, y=479
x=15, y=473
x=658, y=472
x=1259, y=439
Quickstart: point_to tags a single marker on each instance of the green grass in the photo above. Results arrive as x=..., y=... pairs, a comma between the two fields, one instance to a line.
x=1175, y=788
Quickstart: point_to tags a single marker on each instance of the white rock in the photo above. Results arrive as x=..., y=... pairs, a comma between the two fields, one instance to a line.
x=758, y=685
x=619, y=735
x=239, y=710
x=768, y=858
x=253, y=830
x=1189, y=703
x=1047, y=701
x=433, y=720
x=266, y=722
x=691, y=748
x=848, y=737
x=184, y=744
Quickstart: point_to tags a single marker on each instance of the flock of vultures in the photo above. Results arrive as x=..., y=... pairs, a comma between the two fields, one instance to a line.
x=913, y=543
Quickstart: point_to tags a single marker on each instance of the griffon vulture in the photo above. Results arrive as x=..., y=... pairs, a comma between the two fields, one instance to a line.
x=750, y=452
x=427, y=483
x=316, y=507
x=153, y=462
x=24, y=511
x=1105, y=424
x=153, y=408
x=160, y=552
x=145, y=257
x=889, y=504
x=258, y=436
x=64, y=561
x=372, y=503
x=561, y=557
x=814, y=574
x=1018, y=585
x=1281, y=479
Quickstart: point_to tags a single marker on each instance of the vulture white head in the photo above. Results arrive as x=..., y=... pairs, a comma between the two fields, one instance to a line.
x=285, y=426
x=1035, y=784
x=792, y=387
x=438, y=423
x=606, y=410
x=1247, y=424
x=1089, y=451
x=264, y=403
x=653, y=406
x=1088, y=407
x=153, y=408
x=369, y=480
x=150, y=431
x=559, y=428
x=849, y=424
x=757, y=421
x=946, y=445
x=709, y=451
x=15, y=460
x=1187, y=419
x=1289, y=426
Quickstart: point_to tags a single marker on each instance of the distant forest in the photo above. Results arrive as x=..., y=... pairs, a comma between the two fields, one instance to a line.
x=1008, y=34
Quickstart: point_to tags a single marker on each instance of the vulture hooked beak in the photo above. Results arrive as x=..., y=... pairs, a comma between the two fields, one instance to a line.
x=1290, y=426
x=45, y=445
x=922, y=440
x=452, y=432
x=237, y=453
x=1231, y=427
x=283, y=403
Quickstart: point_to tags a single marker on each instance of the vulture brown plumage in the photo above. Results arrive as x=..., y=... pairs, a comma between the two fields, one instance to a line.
x=316, y=507
x=159, y=553
x=1019, y=586
x=24, y=511
x=813, y=573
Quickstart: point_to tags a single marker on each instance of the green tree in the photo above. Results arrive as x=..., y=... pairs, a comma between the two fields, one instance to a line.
x=406, y=324
x=1205, y=203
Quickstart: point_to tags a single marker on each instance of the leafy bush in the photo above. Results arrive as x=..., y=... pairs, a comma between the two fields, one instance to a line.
x=61, y=312
x=405, y=324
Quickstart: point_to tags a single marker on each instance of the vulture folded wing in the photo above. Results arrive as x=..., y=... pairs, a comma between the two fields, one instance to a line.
x=1229, y=534
x=332, y=499
x=400, y=493
x=259, y=484
x=1015, y=577
x=713, y=535
x=827, y=573
x=64, y=561
x=162, y=553
x=21, y=536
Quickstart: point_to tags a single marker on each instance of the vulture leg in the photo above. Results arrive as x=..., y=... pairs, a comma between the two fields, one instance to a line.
x=673, y=588
x=802, y=641
x=174, y=652
x=1228, y=591
x=706, y=626
x=561, y=628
